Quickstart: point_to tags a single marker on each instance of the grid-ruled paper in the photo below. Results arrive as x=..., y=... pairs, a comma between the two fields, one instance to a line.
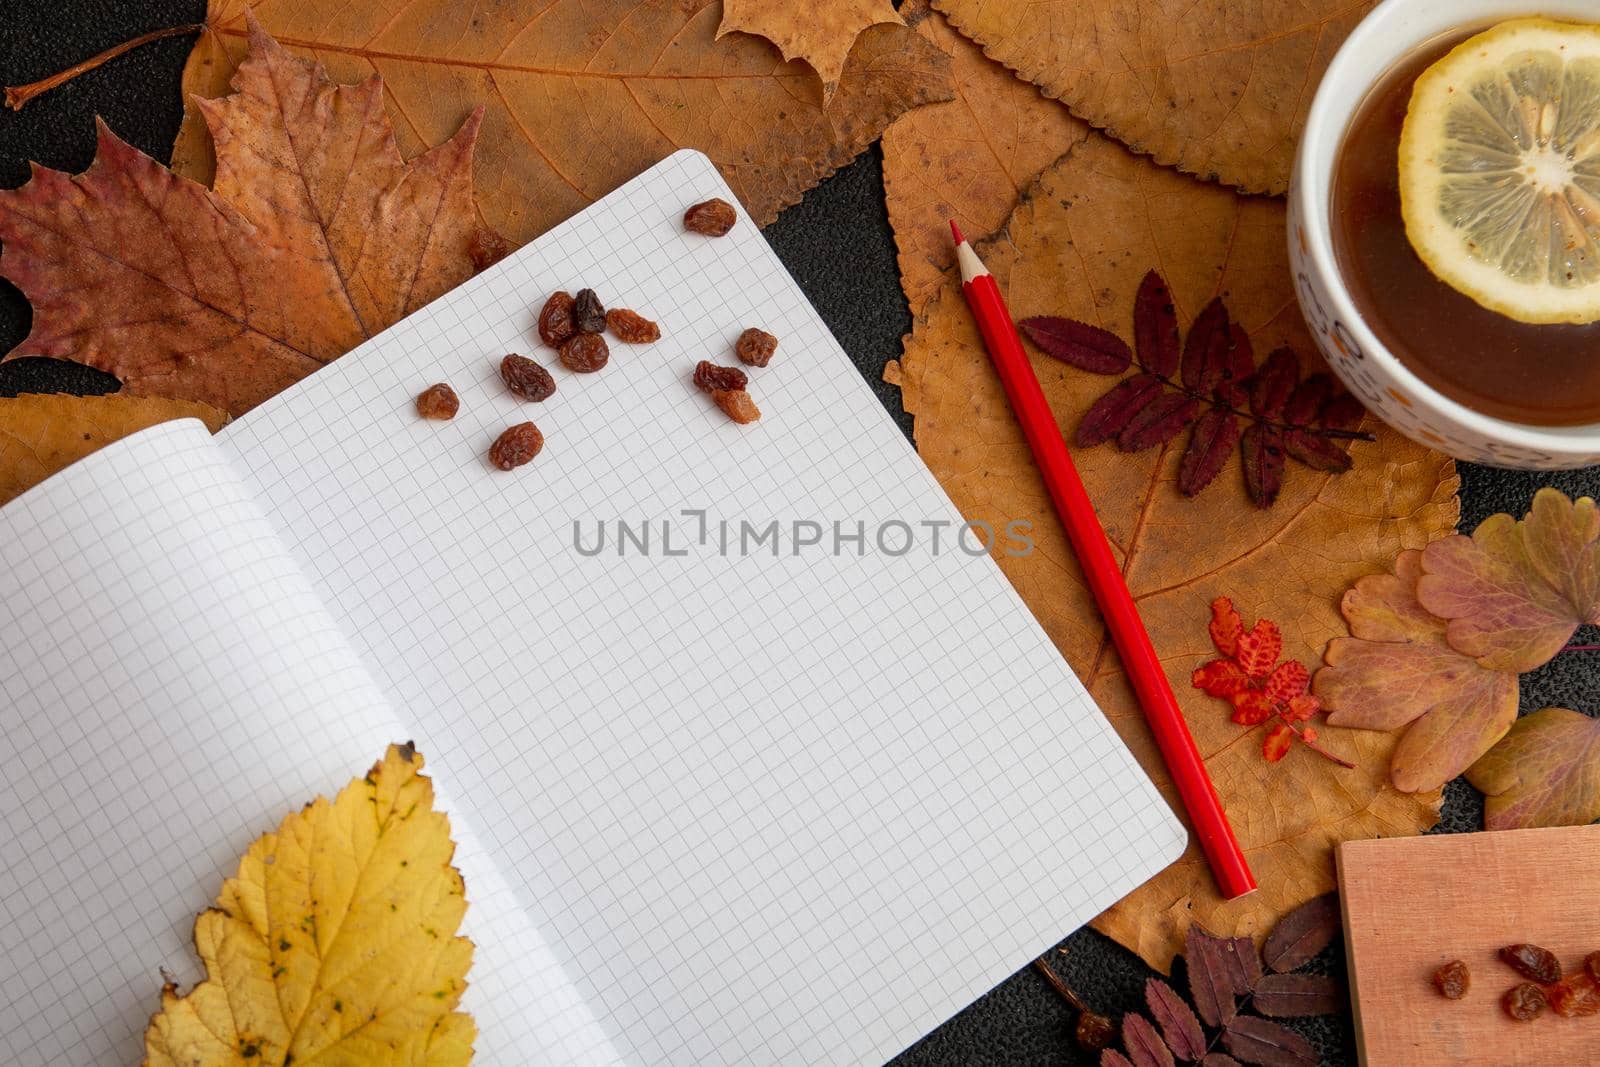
x=170, y=688
x=795, y=807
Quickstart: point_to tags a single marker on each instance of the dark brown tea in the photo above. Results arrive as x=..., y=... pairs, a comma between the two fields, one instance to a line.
x=1547, y=375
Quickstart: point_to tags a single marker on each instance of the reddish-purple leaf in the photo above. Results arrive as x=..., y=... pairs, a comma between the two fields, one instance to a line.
x=1262, y=447
x=1176, y=1019
x=1144, y=1045
x=1316, y=451
x=1210, y=981
x=1238, y=364
x=1205, y=354
x=1209, y=448
x=1289, y=996
x=1302, y=933
x=1084, y=346
x=1155, y=327
x=1112, y=1058
x=1111, y=413
x=1267, y=1044
x=1273, y=384
x=1341, y=411
x=1307, y=399
x=1158, y=422
x=1244, y=963
x=1219, y=1059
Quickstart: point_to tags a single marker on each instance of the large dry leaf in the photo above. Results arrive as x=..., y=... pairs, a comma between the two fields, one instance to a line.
x=581, y=95
x=820, y=34
x=41, y=434
x=335, y=944
x=317, y=236
x=1545, y=772
x=1079, y=246
x=1219, y=88
x=966, y=159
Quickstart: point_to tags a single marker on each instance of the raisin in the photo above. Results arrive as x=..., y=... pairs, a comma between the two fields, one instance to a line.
x=555, y=321
x=588, y=314
x=1532, y=962
x=585, y=353
x=1453, y=980
x=737, y=405
x=1591, y=963
x=710, y=377
x=631, y=327
x=438, y=402
x=755, y=347
x=526, y=379
x=1577, y=994
x=516, y=446
x=714, y=217
x=1523, y=1002
x=1094, y=1032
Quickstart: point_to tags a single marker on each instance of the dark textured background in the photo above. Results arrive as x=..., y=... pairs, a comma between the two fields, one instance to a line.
x=840, y=222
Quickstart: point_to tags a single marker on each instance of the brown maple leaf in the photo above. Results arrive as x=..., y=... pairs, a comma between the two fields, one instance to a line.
x=582, y=95
x=1217, y=88
x=820, y=34
x=317, y=236
x=1079, y=244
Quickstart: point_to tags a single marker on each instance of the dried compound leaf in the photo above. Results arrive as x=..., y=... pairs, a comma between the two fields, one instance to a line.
x=1290, y=996
x=1544, y=772
x=41, y=434
x=1205, y=350
x=1396, y=669
x=1086, y=347
x=1302, y=934
x=1514, y=592
x=1177, y=1021
x=1211, y=981
x=364, y=908
x=1155, y=327
x=1315, y=451
x=1159, y=421
x=1144, y=1046
x=1210, y=448
x=580, y=97
x=1111, y=414
x=1112, y=1058
x=820, y=34
x=1217, y=89
x=317, y=236
x=1264, y=453
x=1259, y=1041
x=1274, y=382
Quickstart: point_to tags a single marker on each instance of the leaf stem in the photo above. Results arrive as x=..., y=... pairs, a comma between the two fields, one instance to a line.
x=18, y=95
x=1315, y=747
x=1320, y=431
x=1579, y=648
x=1059, y=985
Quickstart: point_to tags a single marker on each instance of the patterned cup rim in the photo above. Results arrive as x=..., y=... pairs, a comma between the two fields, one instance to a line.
x=1390, y=32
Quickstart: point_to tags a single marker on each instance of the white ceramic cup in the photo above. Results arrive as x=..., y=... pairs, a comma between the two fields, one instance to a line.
x=1394, y=30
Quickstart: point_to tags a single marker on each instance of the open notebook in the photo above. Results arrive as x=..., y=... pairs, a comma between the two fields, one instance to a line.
x=762, y=804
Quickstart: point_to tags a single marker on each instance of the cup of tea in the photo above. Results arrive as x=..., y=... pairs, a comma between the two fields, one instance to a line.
x=1499, y=364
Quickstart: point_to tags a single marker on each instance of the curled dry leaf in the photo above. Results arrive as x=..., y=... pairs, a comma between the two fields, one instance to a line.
x=1544, y=772
x=1079, y=246
x=1514, y=592
x=348, y=911
x=41, y=434
x=581, y=95
x=1397, y=669
x=317, y=235
x=820, y=34
x=1219, y=89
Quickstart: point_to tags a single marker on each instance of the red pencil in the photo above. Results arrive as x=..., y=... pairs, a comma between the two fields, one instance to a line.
x=1103, y=574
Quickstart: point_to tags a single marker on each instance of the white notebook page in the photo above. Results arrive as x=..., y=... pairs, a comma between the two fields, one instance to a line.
x=170, y=688
x=787, y=808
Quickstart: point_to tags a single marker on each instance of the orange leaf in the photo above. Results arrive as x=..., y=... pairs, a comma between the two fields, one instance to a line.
x=1226, y=626
x=1302, y=708
x=820, y=34
x=1288, y=681
x=1220, y=678
x=1260, y=648
x=317, y=236
x=1278, y=740
x=1252, y=707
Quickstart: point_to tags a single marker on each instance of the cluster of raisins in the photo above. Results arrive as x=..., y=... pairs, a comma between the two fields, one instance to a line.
x=728, y=386
x=572, y=325
x=1568, y=995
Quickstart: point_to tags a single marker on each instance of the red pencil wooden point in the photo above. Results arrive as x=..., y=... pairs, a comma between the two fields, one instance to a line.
x=1103, y=574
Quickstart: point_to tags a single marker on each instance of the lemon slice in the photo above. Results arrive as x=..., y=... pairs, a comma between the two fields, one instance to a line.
x=1500, y=170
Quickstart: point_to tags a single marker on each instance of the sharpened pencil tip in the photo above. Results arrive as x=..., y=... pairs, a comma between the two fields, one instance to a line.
x=956, y=232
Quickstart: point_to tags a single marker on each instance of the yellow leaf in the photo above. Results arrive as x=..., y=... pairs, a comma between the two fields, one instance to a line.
x=335, y=944
x=581, y=95
x=42, y=433
x=821, y=34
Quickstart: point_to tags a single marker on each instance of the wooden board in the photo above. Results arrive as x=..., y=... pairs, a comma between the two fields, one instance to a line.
x=1411, y=904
